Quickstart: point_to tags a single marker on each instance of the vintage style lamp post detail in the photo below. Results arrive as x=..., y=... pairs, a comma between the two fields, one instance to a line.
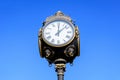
x=59, y=41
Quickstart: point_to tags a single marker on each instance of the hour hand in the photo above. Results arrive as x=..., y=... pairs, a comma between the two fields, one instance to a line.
x=58, y=28
x=60, y=31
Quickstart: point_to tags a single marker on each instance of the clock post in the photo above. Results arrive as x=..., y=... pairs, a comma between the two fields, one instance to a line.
x=59, y=42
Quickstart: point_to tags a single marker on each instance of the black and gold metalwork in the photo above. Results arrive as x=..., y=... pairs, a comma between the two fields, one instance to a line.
x=56, y=52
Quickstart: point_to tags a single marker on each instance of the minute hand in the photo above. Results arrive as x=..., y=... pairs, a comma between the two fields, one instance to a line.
x=60, y=31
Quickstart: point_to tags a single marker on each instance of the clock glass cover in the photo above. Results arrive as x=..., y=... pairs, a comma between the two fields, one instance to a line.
x=58, y=33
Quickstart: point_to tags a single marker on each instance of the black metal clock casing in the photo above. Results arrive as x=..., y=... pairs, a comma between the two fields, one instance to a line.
x=59, y=39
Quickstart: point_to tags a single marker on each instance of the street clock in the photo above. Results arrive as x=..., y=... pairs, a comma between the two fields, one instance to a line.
x=59, y=39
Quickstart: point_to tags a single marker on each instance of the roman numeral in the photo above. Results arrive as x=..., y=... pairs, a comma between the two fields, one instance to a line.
x=53, y=25
x=63, y=24
x=64, y=40
x=67, y=36
x=47, y=33
x=52, y=40
x=49, y=28
x=58, y=41
x=48, y=37
x=66, y=27
x=69, y=32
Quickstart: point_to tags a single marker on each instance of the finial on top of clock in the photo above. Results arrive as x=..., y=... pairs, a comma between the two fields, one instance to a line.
x=59, y=13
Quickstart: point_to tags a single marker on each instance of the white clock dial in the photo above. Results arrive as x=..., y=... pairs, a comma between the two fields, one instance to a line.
x=58, y=33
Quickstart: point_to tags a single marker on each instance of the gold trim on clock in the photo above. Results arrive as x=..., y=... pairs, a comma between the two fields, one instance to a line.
x=78, y=39
x=39, y=42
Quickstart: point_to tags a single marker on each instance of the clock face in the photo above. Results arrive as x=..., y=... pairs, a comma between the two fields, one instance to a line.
x=58, y=33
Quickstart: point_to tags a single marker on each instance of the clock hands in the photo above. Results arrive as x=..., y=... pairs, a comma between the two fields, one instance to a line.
x=60, y=30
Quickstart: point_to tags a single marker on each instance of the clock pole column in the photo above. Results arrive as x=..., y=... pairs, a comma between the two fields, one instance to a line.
x=60, y=65
x=60, y=69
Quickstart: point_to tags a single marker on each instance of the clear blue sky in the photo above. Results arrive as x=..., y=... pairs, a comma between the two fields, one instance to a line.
x=99, y=24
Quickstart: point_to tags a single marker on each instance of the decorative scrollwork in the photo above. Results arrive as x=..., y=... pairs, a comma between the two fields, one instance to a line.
x=70, y=51
x=48, y=52
x=76, y=32
x=40, y=34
